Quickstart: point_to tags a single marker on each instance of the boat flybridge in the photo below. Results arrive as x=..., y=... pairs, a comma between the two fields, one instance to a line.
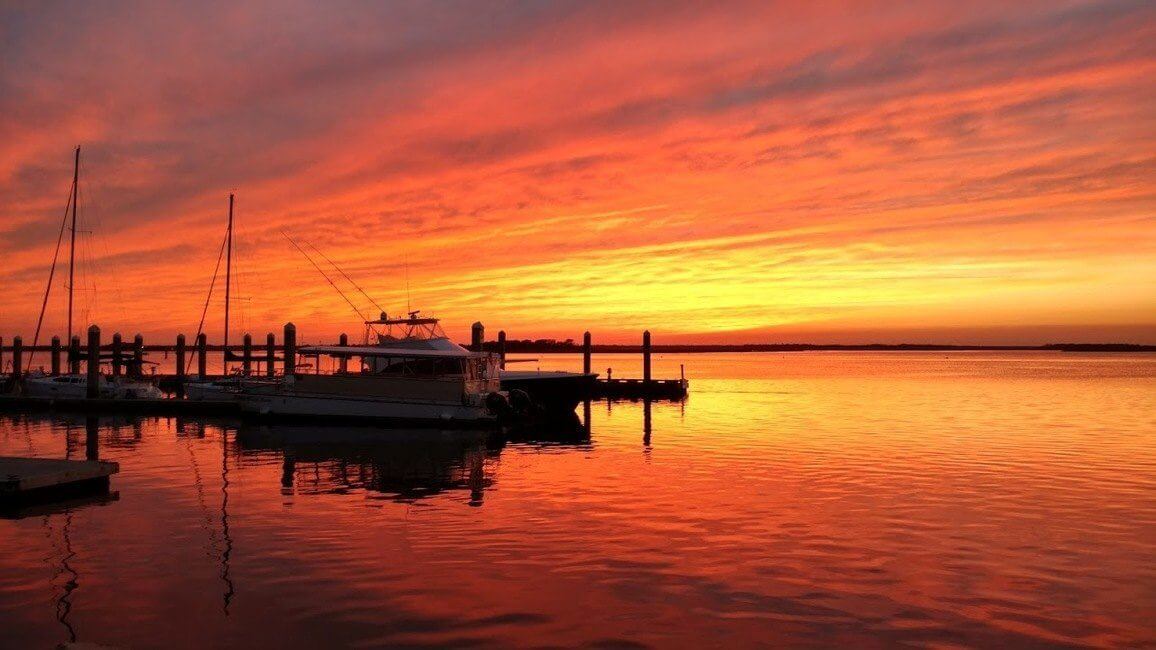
x=414, y=373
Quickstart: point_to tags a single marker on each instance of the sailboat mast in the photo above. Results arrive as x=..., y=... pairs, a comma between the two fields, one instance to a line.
x=72, y=238
x=228, y=279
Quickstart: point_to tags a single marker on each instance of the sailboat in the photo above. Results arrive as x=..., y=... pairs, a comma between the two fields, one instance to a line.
x=226, y=389
x=75, y=385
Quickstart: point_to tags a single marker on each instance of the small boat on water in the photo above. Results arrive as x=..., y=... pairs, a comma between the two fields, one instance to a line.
x=76, y=387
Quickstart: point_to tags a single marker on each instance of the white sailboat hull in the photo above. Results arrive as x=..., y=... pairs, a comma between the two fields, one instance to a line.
x=76, y=387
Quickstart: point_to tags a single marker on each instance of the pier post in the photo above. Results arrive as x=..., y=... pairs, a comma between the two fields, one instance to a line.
x=290, y=345
x=502, y=349
x=74, y=355
x=138, y=355
x=93, y=362
x=1, y=354
x=246, y=354
x=343, y=364
x=270, y=354
x=117, y=354
x=55, y=356
x=202, y=356
x=17, y=358
x=91, y=439
x=646, y=358
x=180, y=365
x=586, y=353
x=478, y=336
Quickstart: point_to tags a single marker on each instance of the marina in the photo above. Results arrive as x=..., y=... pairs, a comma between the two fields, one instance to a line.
x=192, y=389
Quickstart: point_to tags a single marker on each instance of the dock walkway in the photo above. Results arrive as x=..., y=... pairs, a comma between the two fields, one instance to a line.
x=31, y=479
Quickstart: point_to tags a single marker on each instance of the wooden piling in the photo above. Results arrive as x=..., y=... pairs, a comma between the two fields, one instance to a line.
x=246, y=354
x=138, y=355
x=180, y=365
x=586, y=353
x=93, y=362
x=343, y=363
x=202, y=356
x=91, y=441
x=55, y=356
x=290, y=346
x=17, y=358
x=74, y=355
x=502, y=349
x=646, y=357
x=477, y=336
x=1, y=354
x=270, y=354
x=117, y=354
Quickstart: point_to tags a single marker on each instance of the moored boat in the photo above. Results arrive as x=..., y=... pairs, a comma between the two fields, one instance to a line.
x=395, y=383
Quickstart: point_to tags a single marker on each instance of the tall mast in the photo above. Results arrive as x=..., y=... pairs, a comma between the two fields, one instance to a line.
x=72, y=238
x=228, y=279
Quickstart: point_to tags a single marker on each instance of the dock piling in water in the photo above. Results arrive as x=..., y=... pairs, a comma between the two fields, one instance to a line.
x=586, y=349
x=478, y=336
x=246, y=354
x=117, y=354
x=93, y=388
x=502, y=349
x=343, y=363
x=270, y=354
x=290, y=345
x=17, y=358
x=180, y=365
x=138, y=355
x=74, y=355
x=55, y=360
x=646, y=357
x=202, y=355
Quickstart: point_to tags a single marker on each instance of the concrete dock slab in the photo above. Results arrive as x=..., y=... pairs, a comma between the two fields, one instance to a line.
x=33, y=479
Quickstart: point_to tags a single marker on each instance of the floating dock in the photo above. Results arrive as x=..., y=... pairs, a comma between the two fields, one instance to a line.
x=30, y=480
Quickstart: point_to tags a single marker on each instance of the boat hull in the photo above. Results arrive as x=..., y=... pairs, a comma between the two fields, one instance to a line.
x=328, y=408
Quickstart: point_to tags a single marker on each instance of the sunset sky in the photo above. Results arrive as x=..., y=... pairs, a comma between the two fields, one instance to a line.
x=715, y=172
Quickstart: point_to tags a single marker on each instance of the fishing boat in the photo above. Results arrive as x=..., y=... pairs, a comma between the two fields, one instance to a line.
x=38, y=384
x=396, y=383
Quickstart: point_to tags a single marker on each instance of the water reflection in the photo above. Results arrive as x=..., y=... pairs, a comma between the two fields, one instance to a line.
x=401, y=464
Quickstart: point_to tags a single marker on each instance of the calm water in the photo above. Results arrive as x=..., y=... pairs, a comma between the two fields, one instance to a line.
x=869, y=499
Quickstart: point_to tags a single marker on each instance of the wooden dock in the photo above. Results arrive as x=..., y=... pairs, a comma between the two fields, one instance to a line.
x=672, y=389
x=27, y=480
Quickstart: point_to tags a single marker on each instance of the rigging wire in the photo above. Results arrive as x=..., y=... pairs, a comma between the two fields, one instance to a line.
x=212, y=284
x=326, y=276
x=51, y=273
x=346, y=276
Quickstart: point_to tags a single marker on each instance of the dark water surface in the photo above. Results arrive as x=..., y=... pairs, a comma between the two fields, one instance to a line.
x=863, y=499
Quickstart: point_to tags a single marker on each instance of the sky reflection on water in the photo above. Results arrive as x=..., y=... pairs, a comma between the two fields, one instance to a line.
x=806, y=499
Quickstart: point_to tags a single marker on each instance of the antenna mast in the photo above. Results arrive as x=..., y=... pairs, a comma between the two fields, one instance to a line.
x=72, y=239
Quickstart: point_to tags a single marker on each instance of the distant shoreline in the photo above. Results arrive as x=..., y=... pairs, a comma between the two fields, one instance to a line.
x=563, y=347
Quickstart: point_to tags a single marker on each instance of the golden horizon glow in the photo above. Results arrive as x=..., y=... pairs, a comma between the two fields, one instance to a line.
x=739, y=173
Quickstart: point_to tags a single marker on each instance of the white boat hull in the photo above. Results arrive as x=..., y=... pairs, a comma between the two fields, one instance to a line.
x=76, y=387
x=332, y=407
